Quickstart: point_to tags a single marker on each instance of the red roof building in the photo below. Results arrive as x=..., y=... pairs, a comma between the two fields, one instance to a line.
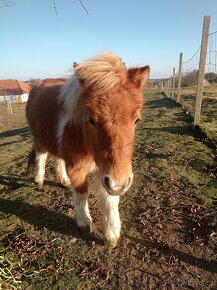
x=13, y=87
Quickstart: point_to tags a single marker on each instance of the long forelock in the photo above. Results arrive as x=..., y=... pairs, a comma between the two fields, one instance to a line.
x=105, y=72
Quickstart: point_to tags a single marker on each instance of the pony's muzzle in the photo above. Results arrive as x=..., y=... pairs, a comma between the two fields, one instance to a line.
x=113, y=188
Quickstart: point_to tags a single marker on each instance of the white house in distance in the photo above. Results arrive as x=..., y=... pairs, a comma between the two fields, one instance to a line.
x=14, y=91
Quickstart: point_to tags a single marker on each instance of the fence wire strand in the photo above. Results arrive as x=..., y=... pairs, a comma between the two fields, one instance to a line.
x=211, y=59
x=189, y=83
x=185, y=62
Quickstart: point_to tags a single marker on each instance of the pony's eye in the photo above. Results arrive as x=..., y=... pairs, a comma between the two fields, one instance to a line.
x=92, y=121
x=137, y=120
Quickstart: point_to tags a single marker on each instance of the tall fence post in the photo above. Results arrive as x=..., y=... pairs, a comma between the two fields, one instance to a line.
x=166, y=87
x=173, y=84
x=179, y=78
x=170, y=86
x=162, y=87
x=203, y=52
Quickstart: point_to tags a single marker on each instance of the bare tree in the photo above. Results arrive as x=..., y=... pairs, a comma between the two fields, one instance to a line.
x=9, y=3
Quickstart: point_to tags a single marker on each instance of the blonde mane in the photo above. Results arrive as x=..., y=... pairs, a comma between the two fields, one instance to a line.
x=69, y=97
x=70, y=100
x=104, y=72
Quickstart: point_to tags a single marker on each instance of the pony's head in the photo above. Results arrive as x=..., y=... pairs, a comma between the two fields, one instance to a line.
x=111, y=98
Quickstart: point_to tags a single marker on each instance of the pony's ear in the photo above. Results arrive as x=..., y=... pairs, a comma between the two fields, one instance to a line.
x=75, y=64
x=139, y=76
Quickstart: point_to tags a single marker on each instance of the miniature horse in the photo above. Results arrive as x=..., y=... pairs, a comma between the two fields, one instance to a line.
x=88, y=123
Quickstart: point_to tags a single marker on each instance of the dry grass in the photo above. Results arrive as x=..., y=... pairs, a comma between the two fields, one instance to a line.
x=12, y=121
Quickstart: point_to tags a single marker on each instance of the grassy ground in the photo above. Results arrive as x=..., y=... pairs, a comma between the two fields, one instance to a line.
x=12, y=121
x=208, y=120
x=169, y=216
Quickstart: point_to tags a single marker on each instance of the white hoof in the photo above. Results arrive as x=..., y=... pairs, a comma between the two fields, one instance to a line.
x=39, y=180
x=65, y=181
x=112, y=237
x=85, y=224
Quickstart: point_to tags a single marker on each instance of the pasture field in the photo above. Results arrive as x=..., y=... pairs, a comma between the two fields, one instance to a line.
x=169, y=216
x=208, y=121
x=16, y=120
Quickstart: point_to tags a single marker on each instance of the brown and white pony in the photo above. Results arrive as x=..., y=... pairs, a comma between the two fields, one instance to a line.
x=88, y=123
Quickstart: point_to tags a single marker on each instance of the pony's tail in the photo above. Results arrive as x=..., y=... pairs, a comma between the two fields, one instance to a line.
x=31, y=162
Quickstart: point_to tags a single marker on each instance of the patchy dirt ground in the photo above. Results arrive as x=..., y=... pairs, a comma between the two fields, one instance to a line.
x=169, y=216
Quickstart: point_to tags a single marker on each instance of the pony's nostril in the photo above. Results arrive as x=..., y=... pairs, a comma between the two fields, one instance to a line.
x=115, y=188
x=107, y=183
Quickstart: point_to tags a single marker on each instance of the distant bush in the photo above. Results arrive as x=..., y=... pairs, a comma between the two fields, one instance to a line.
x=211, y=77
x=190, y=79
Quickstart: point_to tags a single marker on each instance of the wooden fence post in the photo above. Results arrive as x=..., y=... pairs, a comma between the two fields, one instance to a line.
x=10, y=111
x=166, y=88
x=162, y=87
x=179, y=78
x=173, y=84
x=170, y=85
x=203, y=52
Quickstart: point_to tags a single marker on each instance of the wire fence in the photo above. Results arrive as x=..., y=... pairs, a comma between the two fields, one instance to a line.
x=14, y=120
x=187, y=85
x=211, y=59
x=190, y=69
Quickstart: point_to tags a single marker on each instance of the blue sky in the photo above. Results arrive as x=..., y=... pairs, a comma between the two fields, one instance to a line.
x=35, y=43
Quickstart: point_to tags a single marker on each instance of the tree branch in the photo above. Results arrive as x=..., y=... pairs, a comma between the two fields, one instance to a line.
x=83, y=6
x=54, y=6
x=7, y=3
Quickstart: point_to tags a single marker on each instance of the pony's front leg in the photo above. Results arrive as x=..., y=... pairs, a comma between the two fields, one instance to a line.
x=82, y=213
x=111, y=217
x=78, y=178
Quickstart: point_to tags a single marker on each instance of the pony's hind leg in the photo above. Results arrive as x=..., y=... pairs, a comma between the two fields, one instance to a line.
x=61, y=174
x=40, y=167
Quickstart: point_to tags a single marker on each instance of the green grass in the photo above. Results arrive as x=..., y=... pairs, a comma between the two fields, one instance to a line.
x=208, y=119
x=168, y=217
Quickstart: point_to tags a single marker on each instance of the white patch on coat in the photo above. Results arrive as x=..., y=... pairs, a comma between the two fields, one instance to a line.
x=62, y=122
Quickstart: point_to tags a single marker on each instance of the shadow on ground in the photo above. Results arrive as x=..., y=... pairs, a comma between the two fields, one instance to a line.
x=40, y=217
x=182, y=130
x=21, y=131
x=11, y=182
x=210, y=266
x=161, y=103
